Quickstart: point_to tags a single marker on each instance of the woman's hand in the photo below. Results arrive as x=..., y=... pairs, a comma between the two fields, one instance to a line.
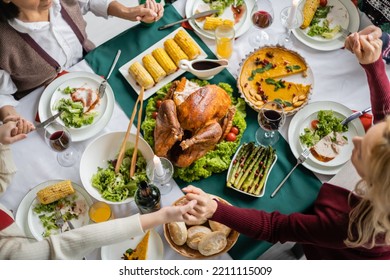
x=366, y=45
x=8, y=133
x=205, y=206
x=148, y=12
x=23, y=125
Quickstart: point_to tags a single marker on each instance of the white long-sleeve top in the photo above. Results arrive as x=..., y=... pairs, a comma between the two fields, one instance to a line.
x=72, y=244
x=56, y=37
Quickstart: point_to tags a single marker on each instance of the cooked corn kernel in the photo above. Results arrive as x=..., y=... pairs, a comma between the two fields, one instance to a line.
x=309, y=9
x=55, y=192
x=140, y=74
x=187, y=44
x=211, y=23
x=164, y=60
x=154, y=69
x=174, y=51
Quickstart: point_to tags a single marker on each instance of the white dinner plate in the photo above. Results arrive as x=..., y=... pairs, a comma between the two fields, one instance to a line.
x=124, y=69
x=116, y=251
x=22, y=213
x=303, y=119
x=242, y=26
x=350, y=21
x=79, y=82
x=44, y=106
x=36, y=227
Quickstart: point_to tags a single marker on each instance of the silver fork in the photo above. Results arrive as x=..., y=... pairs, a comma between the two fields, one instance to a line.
x=59, y=220
x=345, y=33
x=301, y=159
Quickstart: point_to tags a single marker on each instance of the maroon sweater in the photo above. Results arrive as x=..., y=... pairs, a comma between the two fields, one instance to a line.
x=323, y=230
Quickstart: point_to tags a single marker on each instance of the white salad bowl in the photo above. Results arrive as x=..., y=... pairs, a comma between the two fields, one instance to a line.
x=102, y=149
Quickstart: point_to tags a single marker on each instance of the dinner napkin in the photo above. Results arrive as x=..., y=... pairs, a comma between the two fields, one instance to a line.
x=366, y=120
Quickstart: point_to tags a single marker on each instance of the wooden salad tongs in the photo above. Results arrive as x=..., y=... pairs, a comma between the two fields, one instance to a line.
x=123, y=146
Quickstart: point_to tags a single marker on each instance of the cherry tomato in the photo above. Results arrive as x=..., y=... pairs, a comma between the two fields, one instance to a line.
x=158, y=103
x=314, y=124
x=235, y=130
x=154, y=115
x=323, y=3
x=231, y=137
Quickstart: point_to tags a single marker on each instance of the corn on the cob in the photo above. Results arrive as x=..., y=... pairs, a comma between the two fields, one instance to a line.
x=187, y=44
x=174, y=51
x=55, y=192
x=164, y=60
x=309, y=9
x=140, y=74
x=154, y=69
x=211, y=23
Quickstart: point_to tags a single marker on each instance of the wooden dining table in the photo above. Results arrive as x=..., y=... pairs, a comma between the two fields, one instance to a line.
x=338, y=77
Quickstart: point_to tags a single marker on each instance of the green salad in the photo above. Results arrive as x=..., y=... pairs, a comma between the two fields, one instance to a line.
x=118, y=187
x=73, y=111
x=46, y=213
x=221, y=5
x=319, y=25
x=214, y=161
x=325, y=123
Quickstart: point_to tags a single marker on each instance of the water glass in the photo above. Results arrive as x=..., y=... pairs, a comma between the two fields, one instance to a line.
x=224, y=39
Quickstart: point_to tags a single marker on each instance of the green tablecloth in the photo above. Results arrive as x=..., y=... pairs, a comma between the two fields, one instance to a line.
x=298, y=193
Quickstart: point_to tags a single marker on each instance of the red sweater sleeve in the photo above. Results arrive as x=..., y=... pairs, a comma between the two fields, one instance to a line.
x=379, y=85
x=326, y=226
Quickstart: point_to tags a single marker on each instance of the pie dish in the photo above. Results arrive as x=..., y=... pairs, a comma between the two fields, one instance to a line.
x=275, y=73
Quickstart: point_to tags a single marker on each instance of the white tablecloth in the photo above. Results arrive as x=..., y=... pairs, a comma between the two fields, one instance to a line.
x=338, y=77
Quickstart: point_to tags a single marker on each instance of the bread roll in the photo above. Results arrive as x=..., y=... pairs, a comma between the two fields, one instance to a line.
x=212, y=243
x=195, y=234
x=178, y=232
x=215, y=226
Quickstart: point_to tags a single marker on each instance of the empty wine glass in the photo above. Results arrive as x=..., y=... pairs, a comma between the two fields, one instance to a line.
x=59, y=139
x=262, y=16
x=291, y=18
x=159, y=172
x=271, y=117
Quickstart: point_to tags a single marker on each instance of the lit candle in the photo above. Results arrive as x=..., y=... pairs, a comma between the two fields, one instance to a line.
x=158, y=166
x=293, y=11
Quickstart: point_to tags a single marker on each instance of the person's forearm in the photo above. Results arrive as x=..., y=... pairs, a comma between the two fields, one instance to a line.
x=379, y=85
x=154, y=219
x=116, y=9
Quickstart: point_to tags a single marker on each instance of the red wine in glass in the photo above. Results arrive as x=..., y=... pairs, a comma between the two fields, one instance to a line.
x=60, y=140
x=270, y=119
x=262, y=19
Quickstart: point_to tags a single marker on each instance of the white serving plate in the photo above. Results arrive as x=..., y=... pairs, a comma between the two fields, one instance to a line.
x=302, y=120
x=44, y=106
x=240, y=27
x=24, y=208
x=160, y=44
x=78, y=82
x=337, y=42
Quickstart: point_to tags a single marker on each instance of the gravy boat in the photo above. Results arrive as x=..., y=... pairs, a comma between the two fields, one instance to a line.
x=204, y=69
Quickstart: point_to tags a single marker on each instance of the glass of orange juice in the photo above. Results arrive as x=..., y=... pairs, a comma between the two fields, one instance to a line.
x=100, y=212
x=224, y=36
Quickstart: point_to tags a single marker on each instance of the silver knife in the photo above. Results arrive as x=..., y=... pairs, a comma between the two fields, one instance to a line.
x=199, y=15
x=355, y=116
x=49, y=120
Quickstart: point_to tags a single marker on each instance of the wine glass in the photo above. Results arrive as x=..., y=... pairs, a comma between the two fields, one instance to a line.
x=271, y=117
x=159, y=172
x=262, y=16
x=59, y=139
x=291, y=18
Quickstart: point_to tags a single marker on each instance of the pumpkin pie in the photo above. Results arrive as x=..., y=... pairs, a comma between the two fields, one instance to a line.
x=262, y=76
x=140, y=252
